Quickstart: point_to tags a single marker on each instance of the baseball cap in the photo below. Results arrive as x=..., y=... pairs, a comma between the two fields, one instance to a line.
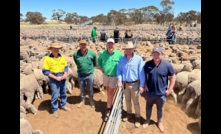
x=110, y=40
x=157, y=49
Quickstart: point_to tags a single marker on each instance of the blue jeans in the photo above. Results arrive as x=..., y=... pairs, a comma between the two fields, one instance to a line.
x=86, y=83
x=159, y=100
x=58, y=87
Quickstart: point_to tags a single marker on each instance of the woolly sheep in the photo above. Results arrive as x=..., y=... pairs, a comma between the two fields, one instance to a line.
x=193, y=91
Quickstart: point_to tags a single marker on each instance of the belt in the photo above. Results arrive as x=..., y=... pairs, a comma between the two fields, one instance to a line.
x=111, y=75
x=58, y=74
x=132, y=81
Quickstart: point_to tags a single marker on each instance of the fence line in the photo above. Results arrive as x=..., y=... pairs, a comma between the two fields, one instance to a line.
x=113, y=122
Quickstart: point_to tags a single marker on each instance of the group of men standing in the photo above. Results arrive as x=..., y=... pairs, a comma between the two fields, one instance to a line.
x=116, y=35
x=126, y=70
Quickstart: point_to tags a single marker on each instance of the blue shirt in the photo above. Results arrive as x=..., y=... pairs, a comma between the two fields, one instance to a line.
x=157, y=81
x=169, y=33
x=131, y=70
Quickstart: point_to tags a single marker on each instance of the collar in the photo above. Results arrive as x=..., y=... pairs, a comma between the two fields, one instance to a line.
x=51, y=55
x=79, y=51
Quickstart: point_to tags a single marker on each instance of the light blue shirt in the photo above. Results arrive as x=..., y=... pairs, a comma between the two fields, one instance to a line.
x=131, y=70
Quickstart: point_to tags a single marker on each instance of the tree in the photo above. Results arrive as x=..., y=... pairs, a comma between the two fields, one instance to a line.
x=21, y=15
x=100, y=18
x=57, y=15
x=189, y=16
x=166, y=14
x=149, y=12
x=34, y=17
x=72, y=18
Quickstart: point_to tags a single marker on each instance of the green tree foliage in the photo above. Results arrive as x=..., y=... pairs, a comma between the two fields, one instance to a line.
x=34, y=17
x=71, y=18
x=100, y=18
x=166, y=14
x=115, y=17
x=21, y=15
x=149, y=13
x=57, y=15
x=189, y=16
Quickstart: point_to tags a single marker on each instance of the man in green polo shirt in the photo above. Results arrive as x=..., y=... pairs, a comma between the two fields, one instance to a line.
x=85, y=60
x=94, y=35
x=107, y=62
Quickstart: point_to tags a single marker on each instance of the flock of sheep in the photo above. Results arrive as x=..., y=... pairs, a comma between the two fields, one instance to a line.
x=186, y=60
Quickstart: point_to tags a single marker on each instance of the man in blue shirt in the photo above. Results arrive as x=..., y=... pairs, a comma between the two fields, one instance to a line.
x=130, y=74
x=157, y=72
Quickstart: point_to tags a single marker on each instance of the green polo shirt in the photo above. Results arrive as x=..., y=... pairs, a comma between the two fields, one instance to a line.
x=108, y=62
x=93, y=33
x=85, y=63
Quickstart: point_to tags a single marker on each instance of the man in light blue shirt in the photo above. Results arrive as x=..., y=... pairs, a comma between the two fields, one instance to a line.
x=131, y=77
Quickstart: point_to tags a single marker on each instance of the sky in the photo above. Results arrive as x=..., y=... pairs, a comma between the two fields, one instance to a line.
x=91, y=8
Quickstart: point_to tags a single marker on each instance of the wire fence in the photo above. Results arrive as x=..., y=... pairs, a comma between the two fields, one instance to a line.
x=114, y=120
x=71, y=39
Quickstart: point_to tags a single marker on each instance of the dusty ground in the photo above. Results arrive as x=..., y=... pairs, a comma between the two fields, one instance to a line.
x=87, y=120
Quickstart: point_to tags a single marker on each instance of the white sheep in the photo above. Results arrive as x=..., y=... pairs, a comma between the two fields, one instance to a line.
x=29, y=87
x=193, y=91
x=26, y=128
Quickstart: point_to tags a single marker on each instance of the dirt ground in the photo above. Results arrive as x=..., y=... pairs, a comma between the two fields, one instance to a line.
x=88, y=120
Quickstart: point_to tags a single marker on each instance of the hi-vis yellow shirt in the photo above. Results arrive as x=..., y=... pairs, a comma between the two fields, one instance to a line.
x=54, y=65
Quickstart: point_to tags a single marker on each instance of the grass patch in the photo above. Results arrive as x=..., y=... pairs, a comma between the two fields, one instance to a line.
x=27, y=25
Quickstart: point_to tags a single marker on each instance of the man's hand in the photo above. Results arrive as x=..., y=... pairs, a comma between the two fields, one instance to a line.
x=145, y=89
x=169, y=91
x=58, y=78
x=64, y=76
x=119, y=84
x=141, y=90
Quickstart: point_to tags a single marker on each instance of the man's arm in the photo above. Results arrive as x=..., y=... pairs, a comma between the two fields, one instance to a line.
x=171, y=85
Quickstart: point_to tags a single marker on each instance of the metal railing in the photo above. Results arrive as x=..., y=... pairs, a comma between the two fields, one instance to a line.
x=113, y=122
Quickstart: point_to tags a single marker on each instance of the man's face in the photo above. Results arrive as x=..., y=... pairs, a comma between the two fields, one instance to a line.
x=54, y=50
x=157, y=56
x=129, y=51
x=83, y=47
x=110, y=46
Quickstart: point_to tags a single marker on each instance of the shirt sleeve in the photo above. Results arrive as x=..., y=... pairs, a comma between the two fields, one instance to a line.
x=46, y=67
x=170, y=70
x=99, y=60
x=95, y=60
x=75, y=60
x=119, y=71
x=141, y=73
x=66, y=69
x=45, y=72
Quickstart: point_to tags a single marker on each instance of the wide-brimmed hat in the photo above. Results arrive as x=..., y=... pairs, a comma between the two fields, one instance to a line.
x=54, y=45
x=128, y=45
x=83, y=42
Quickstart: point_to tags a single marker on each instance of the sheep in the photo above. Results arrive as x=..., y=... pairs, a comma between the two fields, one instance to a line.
x=26, y=128
x=198, y=108
x=177, y=67
x=193, y=91
x=43, y=80
x=187, y=67
x=22, y=112
x=70, y=81
x=180, y=84
x=28, y=88
x=98, y=79
x=195, y=74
